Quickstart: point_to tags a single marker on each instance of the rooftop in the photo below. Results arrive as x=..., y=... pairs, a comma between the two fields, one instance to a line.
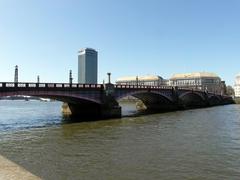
x=86, y=49
x=194, y=75
x=140, y=78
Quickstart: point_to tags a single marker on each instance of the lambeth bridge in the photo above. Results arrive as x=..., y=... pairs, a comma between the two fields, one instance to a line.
x=101, y=101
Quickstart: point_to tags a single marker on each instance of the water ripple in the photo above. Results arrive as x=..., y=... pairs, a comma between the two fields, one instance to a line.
x=193, y=144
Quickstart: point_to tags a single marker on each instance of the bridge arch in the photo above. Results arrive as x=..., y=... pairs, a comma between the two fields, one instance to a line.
x=151, y=100
x=136, y=93
x=199, y=94
x=214, y=100
x=74, y=103
x=64, y=97
x=192, y=99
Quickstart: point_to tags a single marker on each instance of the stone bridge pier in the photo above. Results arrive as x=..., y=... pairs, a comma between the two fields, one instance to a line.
x=105, y=107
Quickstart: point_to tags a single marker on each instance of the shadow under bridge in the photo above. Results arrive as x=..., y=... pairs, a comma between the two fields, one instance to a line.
x=84, y=100
x=151, y=100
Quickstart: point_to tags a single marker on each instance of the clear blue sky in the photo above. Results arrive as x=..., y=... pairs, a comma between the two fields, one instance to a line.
x=133, y=37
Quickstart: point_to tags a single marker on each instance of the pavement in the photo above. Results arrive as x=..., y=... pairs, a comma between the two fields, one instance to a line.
x=11, y=171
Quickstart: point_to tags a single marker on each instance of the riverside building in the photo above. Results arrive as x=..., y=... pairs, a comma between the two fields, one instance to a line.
x=87, y=66
x=199, y=80
x=149, y=80
x=237, y=86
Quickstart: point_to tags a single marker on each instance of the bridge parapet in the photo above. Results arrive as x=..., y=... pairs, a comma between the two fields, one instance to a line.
x=141, y=87
x=49, y=85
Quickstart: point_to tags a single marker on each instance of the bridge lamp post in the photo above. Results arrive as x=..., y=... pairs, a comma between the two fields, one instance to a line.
x=70, y=77
x=137, y=81
x=38, y=79
x=16, y=74
x=109, y=78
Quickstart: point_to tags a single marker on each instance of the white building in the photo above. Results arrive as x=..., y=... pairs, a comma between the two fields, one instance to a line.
x=149, y=80
x=199, y=80
x=237, y=86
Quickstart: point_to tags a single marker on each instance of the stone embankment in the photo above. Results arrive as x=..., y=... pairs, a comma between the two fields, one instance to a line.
x=11, y=171
x=237, y=100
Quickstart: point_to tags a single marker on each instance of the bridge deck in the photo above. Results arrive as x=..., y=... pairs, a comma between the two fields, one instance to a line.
x=10, y=86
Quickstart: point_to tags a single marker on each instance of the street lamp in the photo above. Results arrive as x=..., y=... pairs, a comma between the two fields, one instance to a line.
x=137, y=80
x=38, y=79
x=16, y=74
x=109, y=77
x=70, y=77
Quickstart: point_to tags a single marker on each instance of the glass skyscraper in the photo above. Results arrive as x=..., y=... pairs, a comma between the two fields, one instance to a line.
x=87, y=66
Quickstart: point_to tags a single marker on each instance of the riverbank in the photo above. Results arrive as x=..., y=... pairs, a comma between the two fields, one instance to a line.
x=11, y=171
x=237, y=100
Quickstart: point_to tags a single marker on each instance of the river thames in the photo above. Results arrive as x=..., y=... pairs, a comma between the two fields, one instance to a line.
x=191, y=144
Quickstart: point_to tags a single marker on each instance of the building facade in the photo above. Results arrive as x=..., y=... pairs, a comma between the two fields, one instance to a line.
x=87, y=66
x=150, y=80
x=237, y=86
x=200, y=80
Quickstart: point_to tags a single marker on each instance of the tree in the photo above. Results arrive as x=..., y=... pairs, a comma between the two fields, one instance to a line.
x=230, y=91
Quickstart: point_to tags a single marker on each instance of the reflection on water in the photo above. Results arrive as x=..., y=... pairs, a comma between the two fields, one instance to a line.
x=193, y=144
x=16, y=115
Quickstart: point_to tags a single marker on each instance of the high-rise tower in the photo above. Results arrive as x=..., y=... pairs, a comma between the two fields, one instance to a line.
x=87, y=66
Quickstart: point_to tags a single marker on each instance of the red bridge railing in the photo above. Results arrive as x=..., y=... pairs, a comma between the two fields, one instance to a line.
x=48, y=85
x=141, y=87
x=163, y=87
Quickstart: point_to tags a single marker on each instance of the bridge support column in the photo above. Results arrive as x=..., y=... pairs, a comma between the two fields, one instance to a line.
x=91, y=111
x=111, y=108
x=84, y=110
x=108, y=108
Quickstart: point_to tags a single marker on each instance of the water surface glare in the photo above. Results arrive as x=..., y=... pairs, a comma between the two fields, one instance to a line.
x=192, y=144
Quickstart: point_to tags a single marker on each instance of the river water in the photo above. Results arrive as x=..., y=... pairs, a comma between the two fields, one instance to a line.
x=191, y=144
